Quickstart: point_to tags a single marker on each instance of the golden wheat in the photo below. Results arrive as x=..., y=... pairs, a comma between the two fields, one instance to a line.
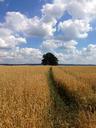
x=77, y=88
x=36, y=97
x=24, y=97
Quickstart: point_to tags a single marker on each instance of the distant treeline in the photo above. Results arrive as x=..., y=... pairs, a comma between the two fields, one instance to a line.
x=41, y=65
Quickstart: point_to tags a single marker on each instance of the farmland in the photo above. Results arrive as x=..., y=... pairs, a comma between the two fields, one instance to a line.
x=47, y=97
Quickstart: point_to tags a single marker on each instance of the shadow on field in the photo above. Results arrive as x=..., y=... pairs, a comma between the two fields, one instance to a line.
x=64, y=108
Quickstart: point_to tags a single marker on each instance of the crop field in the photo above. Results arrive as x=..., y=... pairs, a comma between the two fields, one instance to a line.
x=47, y=97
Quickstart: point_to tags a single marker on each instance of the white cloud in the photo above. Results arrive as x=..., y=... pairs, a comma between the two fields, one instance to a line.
x=52, y=12
x=83, y=56
x=9, y=40
x=87, y=55
x=17, y=28
x=21, y=55
x=53, y=44
x=70, y=44
x=30, y=27
x=35, y=53
x=37, y=27
x=83, y=9
x=73, y=29
x=16, y=21
x=89, y=51
x=2, y=43
x=70, y=54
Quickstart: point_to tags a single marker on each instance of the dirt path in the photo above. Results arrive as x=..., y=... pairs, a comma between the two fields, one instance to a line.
x=64, y=109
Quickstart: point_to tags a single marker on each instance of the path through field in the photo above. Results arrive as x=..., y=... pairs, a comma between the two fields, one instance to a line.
x=47, y=97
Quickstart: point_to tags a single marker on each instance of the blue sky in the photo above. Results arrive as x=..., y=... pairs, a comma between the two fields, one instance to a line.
x=30, y=28
x=28, y=7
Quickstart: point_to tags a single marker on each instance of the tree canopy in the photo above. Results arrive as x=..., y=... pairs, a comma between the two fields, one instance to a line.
x=49, y=59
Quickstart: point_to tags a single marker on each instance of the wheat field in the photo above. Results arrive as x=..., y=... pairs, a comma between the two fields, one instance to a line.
x=47, y=97
x=77, y=87
x=24, y=97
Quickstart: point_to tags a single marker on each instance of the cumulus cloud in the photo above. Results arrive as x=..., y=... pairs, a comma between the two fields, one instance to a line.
x=20, y=55
x=67, y=48
x=52, y=12
x=51, y=44
x=87, y=55
x=78, y=56
x=69, y=53
x=73, y=29
x=82, y=9
x=30, y=27
x=58, y=35
x=55, y=44
x=15, y=31
x=9, y=40
x=39, y=28
x=15, y=21
x=90, y=51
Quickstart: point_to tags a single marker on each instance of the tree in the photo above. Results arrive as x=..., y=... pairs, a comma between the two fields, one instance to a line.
x=49, y=59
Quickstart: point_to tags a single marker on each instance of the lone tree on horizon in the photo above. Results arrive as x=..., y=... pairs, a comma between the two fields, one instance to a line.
x=49, y=59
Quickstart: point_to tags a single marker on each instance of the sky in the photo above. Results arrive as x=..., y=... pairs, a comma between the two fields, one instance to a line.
x=31, y=28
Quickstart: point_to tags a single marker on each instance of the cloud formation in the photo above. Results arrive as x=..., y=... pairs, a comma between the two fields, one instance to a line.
x=20, y=55
x=10, y=40
x=59, y=36
x=74, y=29
x=79, y=9
x=34, y=26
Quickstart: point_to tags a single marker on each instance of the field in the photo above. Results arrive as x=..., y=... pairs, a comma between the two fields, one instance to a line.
x=47, y=97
